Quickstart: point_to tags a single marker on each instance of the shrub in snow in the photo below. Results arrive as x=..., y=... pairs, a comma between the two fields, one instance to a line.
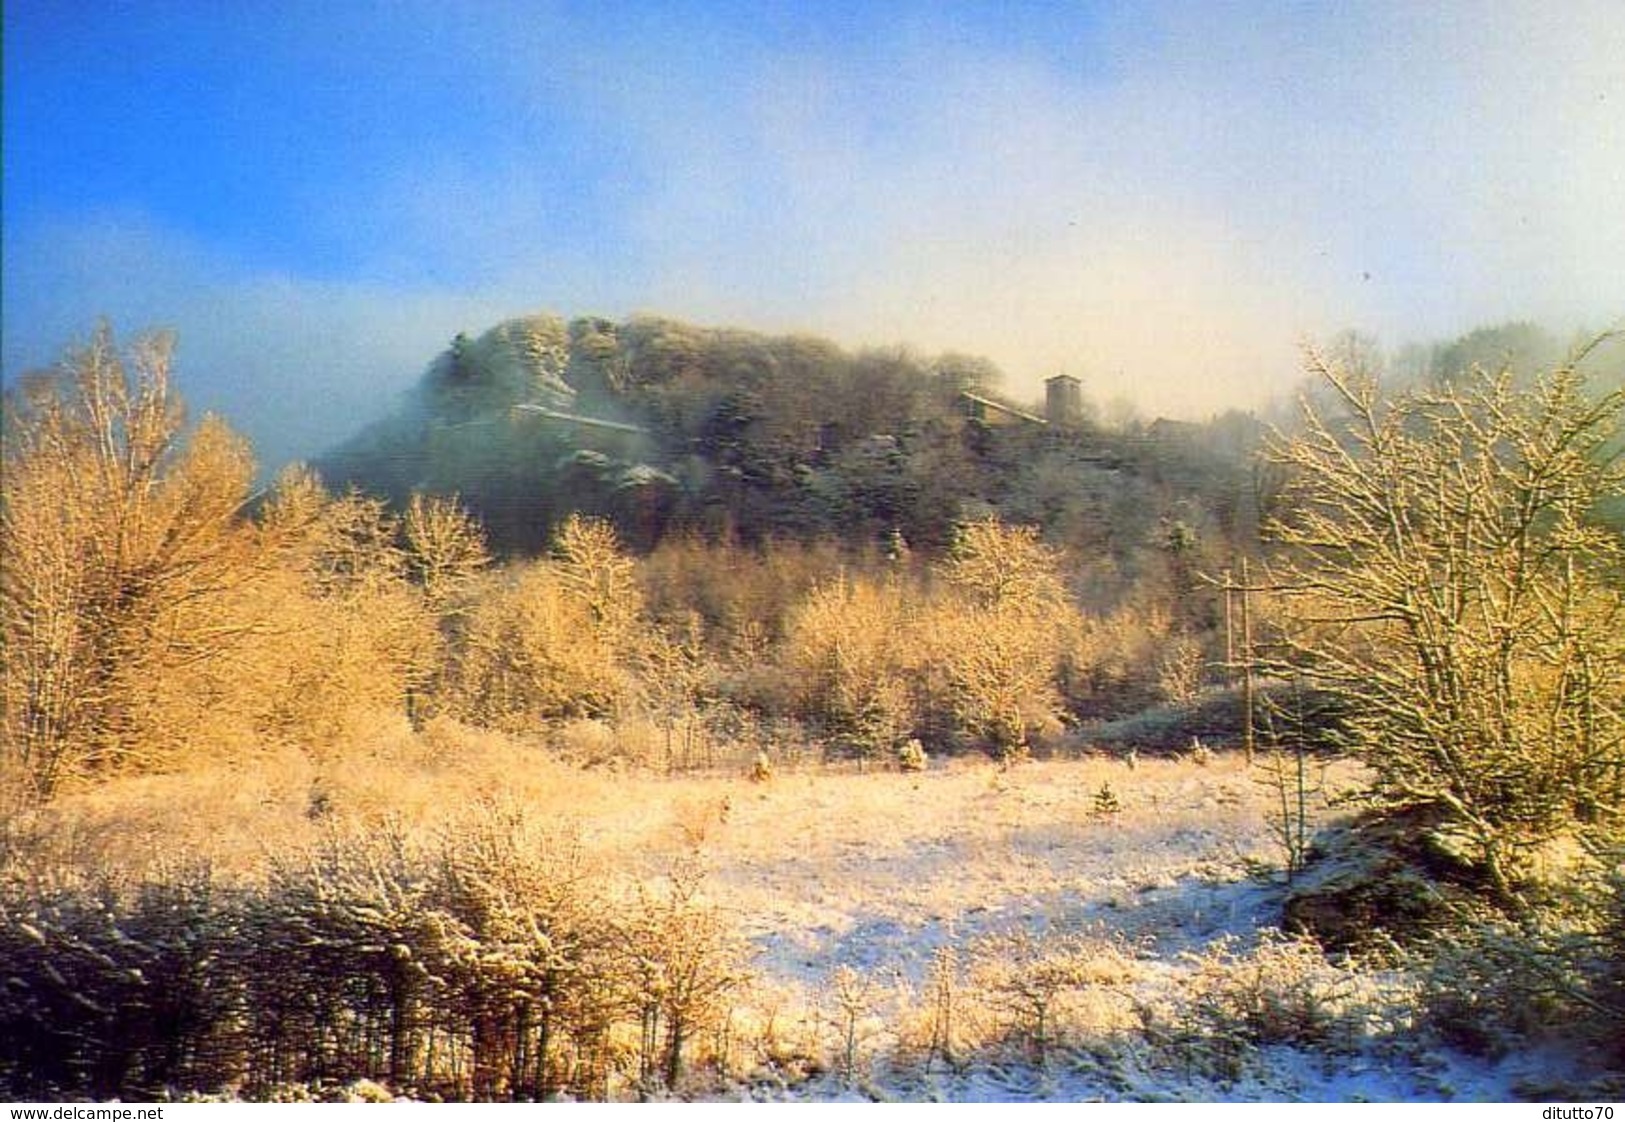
x=1106, y=801
x=761, y=768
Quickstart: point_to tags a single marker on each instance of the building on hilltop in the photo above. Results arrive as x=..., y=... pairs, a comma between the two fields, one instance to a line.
x=1063, y=400
x=1063, y=406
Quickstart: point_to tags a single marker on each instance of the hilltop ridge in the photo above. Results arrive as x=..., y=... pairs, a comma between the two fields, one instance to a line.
x=664, y=426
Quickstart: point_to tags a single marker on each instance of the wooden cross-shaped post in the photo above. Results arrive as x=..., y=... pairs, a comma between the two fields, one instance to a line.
x=1238, y=608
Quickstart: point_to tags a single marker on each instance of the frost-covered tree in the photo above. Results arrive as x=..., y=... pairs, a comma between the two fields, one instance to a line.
x=1455, y=585
x=126, y=557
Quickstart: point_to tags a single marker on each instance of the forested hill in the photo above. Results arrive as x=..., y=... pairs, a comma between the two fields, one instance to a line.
x=667, y=427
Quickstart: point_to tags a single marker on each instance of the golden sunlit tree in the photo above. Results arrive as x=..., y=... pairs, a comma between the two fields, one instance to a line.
x=599, y=575
x=353, y=636
x=127, y=557
x=1455, y=585
x=852, y=649
x=1004, y=568
x=445, y=551
x=552, y=639
x=995, y=643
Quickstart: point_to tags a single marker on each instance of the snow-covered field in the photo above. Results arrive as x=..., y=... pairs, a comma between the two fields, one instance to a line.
x=876, y=871
x=1134, y=902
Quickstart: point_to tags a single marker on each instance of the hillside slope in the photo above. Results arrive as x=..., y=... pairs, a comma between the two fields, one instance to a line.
x=664, y=426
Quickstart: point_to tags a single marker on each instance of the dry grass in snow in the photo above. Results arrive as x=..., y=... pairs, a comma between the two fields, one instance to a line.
x=1064, y=928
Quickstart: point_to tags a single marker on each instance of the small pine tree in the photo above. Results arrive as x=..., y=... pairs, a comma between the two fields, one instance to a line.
x=1106, y=801
x=1295, y=794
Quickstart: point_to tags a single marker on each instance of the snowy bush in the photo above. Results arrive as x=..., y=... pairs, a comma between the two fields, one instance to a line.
x=911, y=756
x=1283, y=990
x=476, y=965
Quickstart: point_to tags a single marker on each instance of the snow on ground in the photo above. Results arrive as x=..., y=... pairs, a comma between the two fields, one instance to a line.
x=829, y=867
x=876, y=871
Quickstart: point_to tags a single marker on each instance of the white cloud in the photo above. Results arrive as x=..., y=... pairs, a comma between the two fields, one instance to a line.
x=1169, y=229
x=296, y=365
x=1165, y=212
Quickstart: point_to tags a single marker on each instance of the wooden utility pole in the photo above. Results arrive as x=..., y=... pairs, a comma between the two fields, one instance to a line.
x=1246, y=666
x=1229, y=629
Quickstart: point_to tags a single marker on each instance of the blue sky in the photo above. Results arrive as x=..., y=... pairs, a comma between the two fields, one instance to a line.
x=1164, y=199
